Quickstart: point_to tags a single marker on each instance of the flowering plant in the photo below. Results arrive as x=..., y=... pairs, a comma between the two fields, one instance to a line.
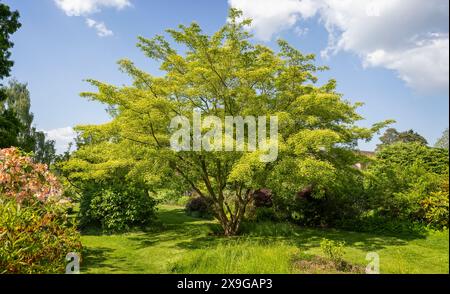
x=25, y=180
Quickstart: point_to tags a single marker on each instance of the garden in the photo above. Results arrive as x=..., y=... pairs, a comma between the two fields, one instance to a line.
x=124, y=201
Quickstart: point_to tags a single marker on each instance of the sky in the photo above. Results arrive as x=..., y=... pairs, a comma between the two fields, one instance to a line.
x=392, y=55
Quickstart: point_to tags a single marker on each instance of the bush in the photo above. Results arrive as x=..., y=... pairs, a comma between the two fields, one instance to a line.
x=25, y=180
x=334, y=251
x=407, y=182
x=35, y=238
x=35, y=234
x=342, y=199
x=262, y=198
x=434, y=208
x=117, y=207
x=199, y=207
x=434, y=160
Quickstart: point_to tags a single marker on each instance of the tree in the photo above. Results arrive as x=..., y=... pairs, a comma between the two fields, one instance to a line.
x=18, y=124
x=10, y=128
x=442, y=142
x=224, y=75
x=9, y=124
x=17, y=99
x=9, y=24
x=44, y=150
x=392, y=136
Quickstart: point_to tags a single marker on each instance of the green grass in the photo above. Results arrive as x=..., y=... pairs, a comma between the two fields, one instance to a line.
x=188, y=245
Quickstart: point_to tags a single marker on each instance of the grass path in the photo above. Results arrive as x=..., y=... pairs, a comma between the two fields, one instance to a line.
x=185, y=245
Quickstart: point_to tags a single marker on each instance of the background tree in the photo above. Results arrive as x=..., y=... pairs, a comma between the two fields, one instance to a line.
x=9, y=124
x=442, y=142
x=9, y=24
x=392, y=136
x=10, y=128
x=18, y=125
x=225, y=75
x=409, y=181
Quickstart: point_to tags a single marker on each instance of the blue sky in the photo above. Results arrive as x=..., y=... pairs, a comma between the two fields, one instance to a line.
x=396, y=64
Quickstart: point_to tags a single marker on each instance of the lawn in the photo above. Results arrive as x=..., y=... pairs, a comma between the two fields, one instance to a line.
x=188, y=245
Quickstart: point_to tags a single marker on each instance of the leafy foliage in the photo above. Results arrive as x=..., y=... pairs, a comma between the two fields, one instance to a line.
x=16, y=124
x=116, y=207
x=407, y=154
x=35, y=238
x=226, y=75
x=9, y=21
x=434, y=208
x=407, y=182
x=35, y=234
x=333, y=250
x=10, y=128
x=25, y=180
x=262, y=198
x=199, y=207
x=392, y=136
x=114, y=195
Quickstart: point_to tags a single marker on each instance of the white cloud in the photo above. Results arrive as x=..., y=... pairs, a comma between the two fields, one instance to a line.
x=410, y=38
x=299, y=31
x=62, y=137
x=86, y=7
x=271, y=16
x=100, y=27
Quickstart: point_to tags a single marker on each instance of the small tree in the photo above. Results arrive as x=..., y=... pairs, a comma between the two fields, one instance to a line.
x=226, y=75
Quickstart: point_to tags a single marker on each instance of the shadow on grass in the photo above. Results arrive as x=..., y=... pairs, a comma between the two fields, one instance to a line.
x=179, y=231
x=97, y=259
x=303, y=238
x=311, y=237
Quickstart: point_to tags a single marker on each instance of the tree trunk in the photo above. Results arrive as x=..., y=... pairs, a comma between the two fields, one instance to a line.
x=231, y=223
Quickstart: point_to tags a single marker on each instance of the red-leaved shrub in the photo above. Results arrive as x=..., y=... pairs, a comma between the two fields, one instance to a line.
x=24, y=180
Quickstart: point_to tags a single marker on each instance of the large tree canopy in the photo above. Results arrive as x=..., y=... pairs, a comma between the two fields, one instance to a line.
x=222, y=75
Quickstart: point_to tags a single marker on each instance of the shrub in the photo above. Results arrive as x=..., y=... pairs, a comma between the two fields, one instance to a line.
x=342, y=199
x=434, y=208
x=35, y=234
x=24, y=180
x=407, y=183
x=434, y=160
x=199, y=207
x=117, y=207
x=334, y=251
x=35, y=238
x=262, y=198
